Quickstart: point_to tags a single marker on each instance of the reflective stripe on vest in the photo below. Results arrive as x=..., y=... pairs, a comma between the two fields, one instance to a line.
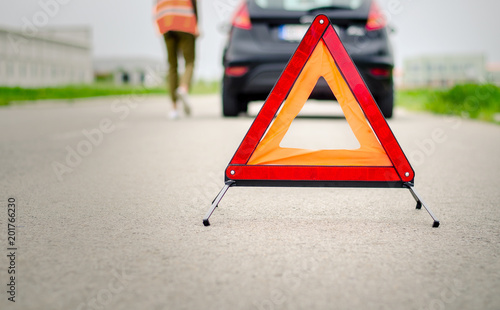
x=176, y=15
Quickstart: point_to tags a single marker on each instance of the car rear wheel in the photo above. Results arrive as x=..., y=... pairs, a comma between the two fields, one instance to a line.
x=386, y=104
x=244, y=106
x=230, y=106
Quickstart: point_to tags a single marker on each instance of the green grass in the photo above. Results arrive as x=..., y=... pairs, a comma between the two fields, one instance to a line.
x=412, y=99
x=468, y=100
x=206, y=87
x=8, y=95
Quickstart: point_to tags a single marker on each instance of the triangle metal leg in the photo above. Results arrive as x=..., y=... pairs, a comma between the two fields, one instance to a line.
x=421, y=203
x=216, y=201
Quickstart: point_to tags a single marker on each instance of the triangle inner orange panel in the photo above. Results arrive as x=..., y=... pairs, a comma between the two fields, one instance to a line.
x=320, y=64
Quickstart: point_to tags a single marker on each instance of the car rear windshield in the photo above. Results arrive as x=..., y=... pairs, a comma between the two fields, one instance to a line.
x=308, y=5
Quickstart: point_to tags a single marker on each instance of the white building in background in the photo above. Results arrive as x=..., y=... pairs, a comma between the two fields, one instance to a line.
x=54, y=57
x=143, y=71
x=493, y=71
x=443, y=71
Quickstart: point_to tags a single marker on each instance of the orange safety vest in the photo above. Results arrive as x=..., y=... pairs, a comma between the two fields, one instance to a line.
x=176, y=15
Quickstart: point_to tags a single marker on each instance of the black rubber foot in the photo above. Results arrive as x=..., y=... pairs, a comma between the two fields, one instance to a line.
x=436, y=224
x=207, y=223
x=419, y=205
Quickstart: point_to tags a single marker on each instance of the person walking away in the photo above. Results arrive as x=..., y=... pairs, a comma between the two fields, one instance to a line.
x=177, y=20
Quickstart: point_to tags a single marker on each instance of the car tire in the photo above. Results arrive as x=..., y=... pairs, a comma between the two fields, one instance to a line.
x=230, y=104
x=386, y=104
x=244, y=106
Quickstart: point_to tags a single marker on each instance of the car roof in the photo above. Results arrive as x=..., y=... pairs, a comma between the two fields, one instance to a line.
x=276, y=8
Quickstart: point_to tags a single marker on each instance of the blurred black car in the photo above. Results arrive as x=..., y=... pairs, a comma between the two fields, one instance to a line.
x=265, y=33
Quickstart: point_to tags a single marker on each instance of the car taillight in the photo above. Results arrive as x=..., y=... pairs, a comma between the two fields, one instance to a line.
x=383, y=72
x=376, y=19
x=242, y=18
x=236, y=71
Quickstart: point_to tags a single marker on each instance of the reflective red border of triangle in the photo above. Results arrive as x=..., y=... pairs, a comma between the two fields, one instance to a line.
x=320, y=29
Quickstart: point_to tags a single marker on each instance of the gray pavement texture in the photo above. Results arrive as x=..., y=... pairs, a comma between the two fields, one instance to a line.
x=112, y=220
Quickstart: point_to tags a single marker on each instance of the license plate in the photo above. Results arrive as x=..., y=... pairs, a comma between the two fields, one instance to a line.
x=292, y=32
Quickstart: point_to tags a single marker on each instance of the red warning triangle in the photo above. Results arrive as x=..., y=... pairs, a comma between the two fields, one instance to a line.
x=260, y=160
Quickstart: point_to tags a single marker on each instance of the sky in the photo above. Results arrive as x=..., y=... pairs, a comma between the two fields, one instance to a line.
x=125, y=28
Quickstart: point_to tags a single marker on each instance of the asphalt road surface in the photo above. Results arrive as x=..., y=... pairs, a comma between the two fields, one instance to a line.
x=109, y=198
